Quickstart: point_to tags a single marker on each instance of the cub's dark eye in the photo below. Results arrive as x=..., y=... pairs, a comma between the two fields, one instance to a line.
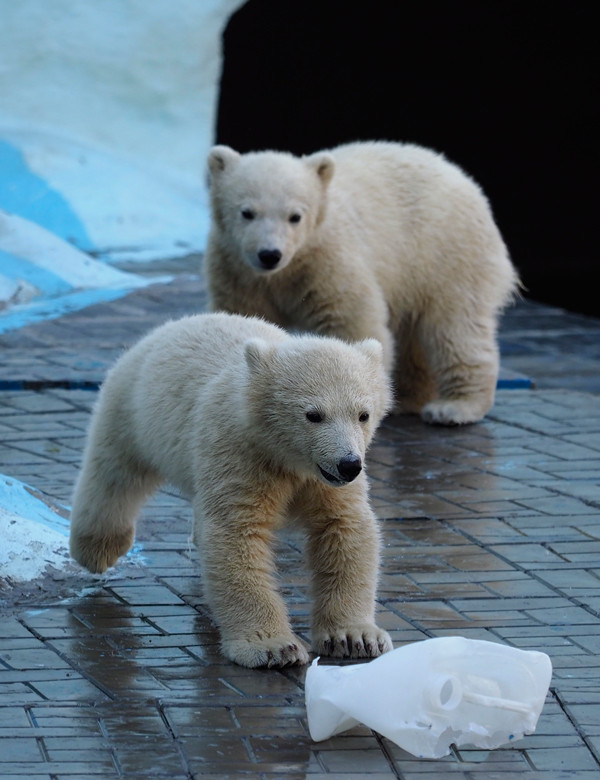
x=314, y=416
x=295, y=218
x=248, y=214
x=363, y=416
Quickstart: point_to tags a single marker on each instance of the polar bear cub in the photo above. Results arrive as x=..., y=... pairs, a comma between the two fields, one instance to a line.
x=254, y=426
x=381, y=240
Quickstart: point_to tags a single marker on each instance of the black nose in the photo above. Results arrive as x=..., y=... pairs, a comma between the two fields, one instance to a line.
x=349, y=467
x=269, y=257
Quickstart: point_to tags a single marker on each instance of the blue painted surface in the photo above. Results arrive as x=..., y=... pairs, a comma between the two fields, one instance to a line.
x=26, y=194
x=515, y=383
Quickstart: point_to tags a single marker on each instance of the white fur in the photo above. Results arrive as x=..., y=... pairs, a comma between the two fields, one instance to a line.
x=393, y=242
x=217, y=405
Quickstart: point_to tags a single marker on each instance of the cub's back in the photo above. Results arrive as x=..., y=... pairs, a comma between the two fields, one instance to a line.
x=422, y=222
x=152, y=391
x=164, y=372
x=414, y=175
x=199, y=347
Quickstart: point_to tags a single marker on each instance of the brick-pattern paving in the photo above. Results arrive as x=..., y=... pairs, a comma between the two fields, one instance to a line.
x=490, y=531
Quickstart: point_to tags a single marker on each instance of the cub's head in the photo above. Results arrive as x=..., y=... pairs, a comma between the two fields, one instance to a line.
x=315, y=403
x=266, y=205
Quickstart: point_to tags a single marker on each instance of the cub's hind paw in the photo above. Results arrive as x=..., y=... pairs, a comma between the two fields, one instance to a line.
x=450, y=412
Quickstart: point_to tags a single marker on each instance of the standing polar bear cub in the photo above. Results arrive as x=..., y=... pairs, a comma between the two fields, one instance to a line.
x=374, y=239
x=254, y=426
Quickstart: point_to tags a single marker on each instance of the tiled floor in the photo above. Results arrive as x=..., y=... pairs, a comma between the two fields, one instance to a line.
x=490, y=531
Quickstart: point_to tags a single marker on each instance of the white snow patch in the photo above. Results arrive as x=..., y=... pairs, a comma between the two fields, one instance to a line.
x=33, y=532
x=28, y=548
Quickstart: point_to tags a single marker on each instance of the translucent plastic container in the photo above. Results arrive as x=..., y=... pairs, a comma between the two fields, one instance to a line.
x=429, y=695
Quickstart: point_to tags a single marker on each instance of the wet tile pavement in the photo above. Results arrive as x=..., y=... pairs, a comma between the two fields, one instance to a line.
x=490, y=531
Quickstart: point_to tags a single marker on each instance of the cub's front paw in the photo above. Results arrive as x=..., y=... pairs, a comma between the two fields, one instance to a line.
x=363, y=640
x=98, y=553
x=275, y=651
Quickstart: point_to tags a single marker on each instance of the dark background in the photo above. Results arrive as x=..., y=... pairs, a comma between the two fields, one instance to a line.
x=509, y=91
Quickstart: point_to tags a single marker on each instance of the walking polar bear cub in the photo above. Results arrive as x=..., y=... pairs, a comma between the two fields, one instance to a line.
x=254, y=426
x=372, y=239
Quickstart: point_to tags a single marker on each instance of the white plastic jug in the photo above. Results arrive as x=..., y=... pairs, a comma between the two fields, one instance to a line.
x=428, y=695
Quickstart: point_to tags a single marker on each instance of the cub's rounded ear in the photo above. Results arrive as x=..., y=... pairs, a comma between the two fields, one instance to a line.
x=322, y=164
x=220, y=158
x=258, y=353
x=372, y=348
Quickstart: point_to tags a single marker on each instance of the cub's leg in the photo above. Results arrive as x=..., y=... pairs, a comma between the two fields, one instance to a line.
x=464, y=359
x=412, y=381
x=109, y=492
x=235, y=542
x=343, y=550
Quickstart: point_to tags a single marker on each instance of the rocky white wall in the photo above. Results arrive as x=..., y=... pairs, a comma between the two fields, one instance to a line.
x=107, y=110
